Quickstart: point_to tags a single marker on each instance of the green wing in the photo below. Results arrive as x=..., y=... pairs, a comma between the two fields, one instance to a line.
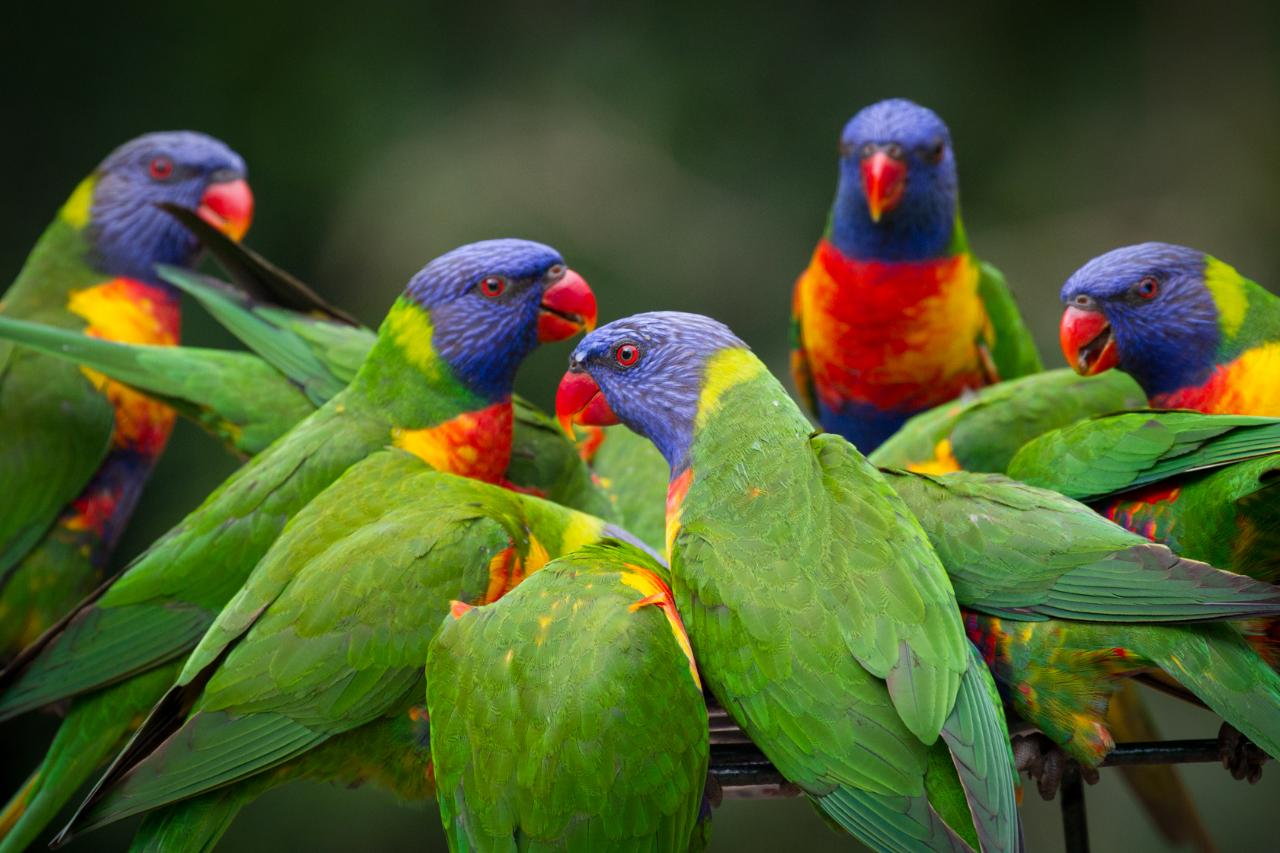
x=331, y=630
x=823, y=621
x=165, y=600
x=56, y=430
x=1013, y=350
x=566, y=716
x=236, y=396
x=633, y=475
x=316, y=354
x=1020, y=552
x=983, y=431
x=1115, y=453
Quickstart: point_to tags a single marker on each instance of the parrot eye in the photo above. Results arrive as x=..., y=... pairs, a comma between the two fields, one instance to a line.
x=1147, y=287
x=555, y=272
x=867, y=149
x=492, y=286
x=935, y=151
x=894, y=150
x=161, y=169
x=626, y=354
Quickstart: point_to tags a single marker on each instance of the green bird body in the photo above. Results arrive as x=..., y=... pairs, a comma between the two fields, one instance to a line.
x=77, y=449
x=819, y=614
x=414, y=390
x=314, y=668
x=594, y=726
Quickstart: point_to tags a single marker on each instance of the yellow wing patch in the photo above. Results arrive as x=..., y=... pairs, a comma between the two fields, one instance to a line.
x=943, y=461
x=655, y=592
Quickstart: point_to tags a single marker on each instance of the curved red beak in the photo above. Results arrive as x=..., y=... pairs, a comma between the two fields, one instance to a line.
x=568, y=307
x=579, y=400
x=883, y=180
x=1087, y=341
x=228, y=206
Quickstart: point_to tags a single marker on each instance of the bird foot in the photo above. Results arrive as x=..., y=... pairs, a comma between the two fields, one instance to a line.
x=1045, y=762
x=1240, y=755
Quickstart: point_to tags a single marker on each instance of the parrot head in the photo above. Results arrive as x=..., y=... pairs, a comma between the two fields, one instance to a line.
x=646, y=371
x=129, y=233
x=896, y=199
x=491, y=303
x=1146, y=309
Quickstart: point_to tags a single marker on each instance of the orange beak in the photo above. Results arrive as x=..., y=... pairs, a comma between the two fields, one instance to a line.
x=228, y=206
x=883, y=180
x=568, y=307
x=1087, y=341
x=580, y=401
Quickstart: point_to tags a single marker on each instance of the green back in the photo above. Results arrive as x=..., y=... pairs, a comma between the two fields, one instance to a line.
x=566, y=715
x=985, y=430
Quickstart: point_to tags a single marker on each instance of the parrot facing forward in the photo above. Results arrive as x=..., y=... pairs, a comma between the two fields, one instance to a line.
x=894, y=314
x=1194, y=332
x=437, y=384
x=594, y=725
x=75, y=448
x=315, y=668
x=819, y=614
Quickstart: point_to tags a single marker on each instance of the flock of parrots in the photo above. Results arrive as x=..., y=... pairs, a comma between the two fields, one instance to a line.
x=418, y=581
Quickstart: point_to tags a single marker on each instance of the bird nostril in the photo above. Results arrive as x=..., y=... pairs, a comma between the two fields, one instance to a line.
x=556, y=272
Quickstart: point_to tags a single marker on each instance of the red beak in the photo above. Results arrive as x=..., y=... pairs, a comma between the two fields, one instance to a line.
x=580, y=401
x=228, y=206
x=1087, y=341
x=568, y=307
x=883, y=180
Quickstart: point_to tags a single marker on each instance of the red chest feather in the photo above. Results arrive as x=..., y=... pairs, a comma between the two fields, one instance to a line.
x=892, y=335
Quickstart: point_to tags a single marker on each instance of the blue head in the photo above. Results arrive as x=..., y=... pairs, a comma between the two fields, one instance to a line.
x=491, y=303
x=129, y=234
x=646, y=371
x=897, y=196
x=1145, y=309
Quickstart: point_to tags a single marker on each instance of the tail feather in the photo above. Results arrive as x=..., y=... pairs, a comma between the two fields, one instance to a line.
x=194, y=825
x=1159, y=789
x=1217, y=664
x=894, y=824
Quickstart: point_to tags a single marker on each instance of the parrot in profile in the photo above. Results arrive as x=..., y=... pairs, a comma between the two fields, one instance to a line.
x=594, y=726
x=982, y=431
x=315, y=668
x=894, y=314
x=1191, y=330
x=76, y=448
x=437, y=383
x=819, y=614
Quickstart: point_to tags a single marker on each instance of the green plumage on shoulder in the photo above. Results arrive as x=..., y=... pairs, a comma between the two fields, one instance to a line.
x=1013, y=349
x=568, y=715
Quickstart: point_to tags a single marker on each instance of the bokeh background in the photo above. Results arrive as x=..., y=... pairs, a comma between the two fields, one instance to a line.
x=680, y=156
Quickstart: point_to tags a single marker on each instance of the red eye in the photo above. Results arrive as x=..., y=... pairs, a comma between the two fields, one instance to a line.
x=492, y=286
x=1147, y=288
x=161, y=168
x=627, y=354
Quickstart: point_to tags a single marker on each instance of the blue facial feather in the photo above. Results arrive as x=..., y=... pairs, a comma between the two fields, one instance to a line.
x=485, y=339
x=1167, y=342
x=129, y=235
x=657, y=396
x=921, y=225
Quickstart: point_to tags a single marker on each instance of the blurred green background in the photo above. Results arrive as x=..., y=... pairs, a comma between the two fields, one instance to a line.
x=680, y=157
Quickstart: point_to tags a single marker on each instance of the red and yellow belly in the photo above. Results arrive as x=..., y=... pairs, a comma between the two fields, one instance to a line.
x=1249, y=385
x=474, y=444
x=894, y=336
x=130, y=311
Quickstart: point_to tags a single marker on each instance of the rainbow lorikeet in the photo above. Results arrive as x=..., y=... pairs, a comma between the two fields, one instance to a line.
x=984, y=430
x=595, y=729
x=894, y=314
x=77, y=449
x=1194, y=332
x=437, y=383
x=820, y=616
x=315, y=668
